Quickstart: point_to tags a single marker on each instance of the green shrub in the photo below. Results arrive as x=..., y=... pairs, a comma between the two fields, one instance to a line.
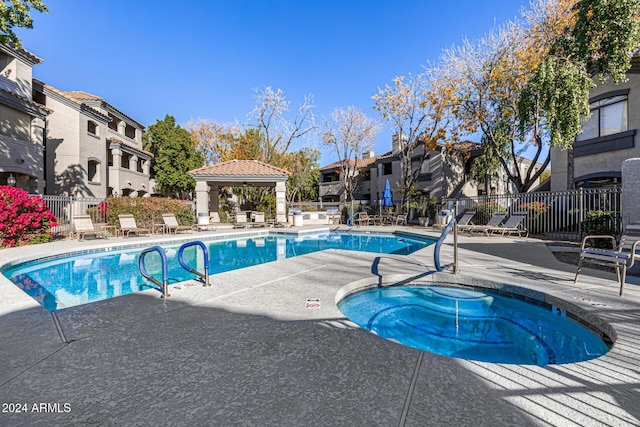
x=146, y=210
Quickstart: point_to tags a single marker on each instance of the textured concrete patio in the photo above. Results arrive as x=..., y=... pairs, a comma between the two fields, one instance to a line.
x=247, y=351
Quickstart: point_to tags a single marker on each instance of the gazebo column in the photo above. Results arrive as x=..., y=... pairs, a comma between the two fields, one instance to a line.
x=202, y=201
x=281, y=212
x=214, y=198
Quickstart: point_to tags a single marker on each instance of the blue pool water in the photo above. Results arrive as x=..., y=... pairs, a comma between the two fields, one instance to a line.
x=82, y=278
x=472, y=324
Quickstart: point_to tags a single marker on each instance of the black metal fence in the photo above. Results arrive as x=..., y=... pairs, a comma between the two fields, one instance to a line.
x=562, y=215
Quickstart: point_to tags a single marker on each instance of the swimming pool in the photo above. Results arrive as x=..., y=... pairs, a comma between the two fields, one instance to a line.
x=472, y=324
x=80, y=278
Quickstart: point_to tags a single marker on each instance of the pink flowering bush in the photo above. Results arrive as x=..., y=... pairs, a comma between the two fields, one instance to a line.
x=24, y=219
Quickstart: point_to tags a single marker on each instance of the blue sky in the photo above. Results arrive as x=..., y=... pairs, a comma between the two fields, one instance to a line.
x=202, y=59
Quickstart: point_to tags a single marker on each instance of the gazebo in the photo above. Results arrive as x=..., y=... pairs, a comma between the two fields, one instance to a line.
x=237, y=173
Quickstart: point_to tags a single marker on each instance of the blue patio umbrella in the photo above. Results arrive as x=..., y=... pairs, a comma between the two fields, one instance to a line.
x=387, y=200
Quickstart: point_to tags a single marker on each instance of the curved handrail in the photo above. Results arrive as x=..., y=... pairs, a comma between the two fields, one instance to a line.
x=205, y=275
x=164, y=286
x=351, y=217
x=436, y=252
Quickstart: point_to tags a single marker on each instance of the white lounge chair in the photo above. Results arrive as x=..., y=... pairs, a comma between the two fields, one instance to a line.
x=128, y=225
x=212, y=225
x=257, y=219
x=241, y=220
x=622, y=257
x=171, y=224
x=83, y=225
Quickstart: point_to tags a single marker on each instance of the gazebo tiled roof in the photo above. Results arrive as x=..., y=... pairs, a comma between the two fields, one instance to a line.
x=247, y=168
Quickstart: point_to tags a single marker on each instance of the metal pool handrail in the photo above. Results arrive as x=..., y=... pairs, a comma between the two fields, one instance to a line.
x=436, y=252
x=164, y=286
x=205, y=275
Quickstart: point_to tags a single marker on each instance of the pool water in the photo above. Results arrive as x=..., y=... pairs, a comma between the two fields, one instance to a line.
x=76, y=279
x=472, y=324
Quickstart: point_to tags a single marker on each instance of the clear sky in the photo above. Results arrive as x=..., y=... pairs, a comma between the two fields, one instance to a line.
x=203, y=59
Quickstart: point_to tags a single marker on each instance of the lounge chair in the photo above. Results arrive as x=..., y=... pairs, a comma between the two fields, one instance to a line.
x=212, y=225
x=83, y=225
x=241, y=220
x=171, y=224
x=128, y=225
x=465, y=219
x=512, y=225
x=493, y=222
x=623, y=255
x=257, y=219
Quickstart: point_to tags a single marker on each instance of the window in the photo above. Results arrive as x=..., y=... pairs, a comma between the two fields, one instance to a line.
x=608, y=116
x=387, y=168
x=92, y=128
x=113, y=122
x=129, y=131
x=93, y=170
x=124, y=160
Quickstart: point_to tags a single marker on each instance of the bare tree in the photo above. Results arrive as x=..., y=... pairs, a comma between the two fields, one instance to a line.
x=416, y=106
x=350, y=132
x=278, y=131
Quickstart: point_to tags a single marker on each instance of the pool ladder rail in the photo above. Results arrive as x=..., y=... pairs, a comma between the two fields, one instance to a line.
x=436, y=252
x=205, y=275
x=163, y=284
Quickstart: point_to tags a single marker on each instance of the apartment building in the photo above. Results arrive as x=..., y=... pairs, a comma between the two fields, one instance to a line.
x=93, y=149
x=443, y=174
x=607, y=138
x=22, y=122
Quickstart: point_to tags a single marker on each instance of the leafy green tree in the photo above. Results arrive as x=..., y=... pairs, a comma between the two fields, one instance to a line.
x=15, y=13
x=527, y=83
x=175, y=155
x=305, y=174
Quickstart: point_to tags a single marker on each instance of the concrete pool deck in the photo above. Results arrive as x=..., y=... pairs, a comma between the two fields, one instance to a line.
x=247, y=350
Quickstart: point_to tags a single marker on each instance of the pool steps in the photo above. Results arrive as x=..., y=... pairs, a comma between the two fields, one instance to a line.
x=163, y=284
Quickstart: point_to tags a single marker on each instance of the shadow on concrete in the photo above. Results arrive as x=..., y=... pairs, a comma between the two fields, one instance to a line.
x=162, y=362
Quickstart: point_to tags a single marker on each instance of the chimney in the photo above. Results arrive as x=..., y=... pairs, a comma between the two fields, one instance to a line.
x=368, y=154
x=395, y=142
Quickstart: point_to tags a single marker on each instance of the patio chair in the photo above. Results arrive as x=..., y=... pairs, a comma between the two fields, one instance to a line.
x=401, y=219
x=363, y=219
x=257, y=219
x=512, y=225
x=83, y=225
x=241, y=220
x=171, y=224
x=128, y=225
x=623, y=255
x=493, y=222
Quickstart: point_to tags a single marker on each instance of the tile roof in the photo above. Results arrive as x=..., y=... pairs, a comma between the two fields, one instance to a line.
x=80, y=95
x=33, y=104
x=241, y=167
x=121, y=142
x=67, y=95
